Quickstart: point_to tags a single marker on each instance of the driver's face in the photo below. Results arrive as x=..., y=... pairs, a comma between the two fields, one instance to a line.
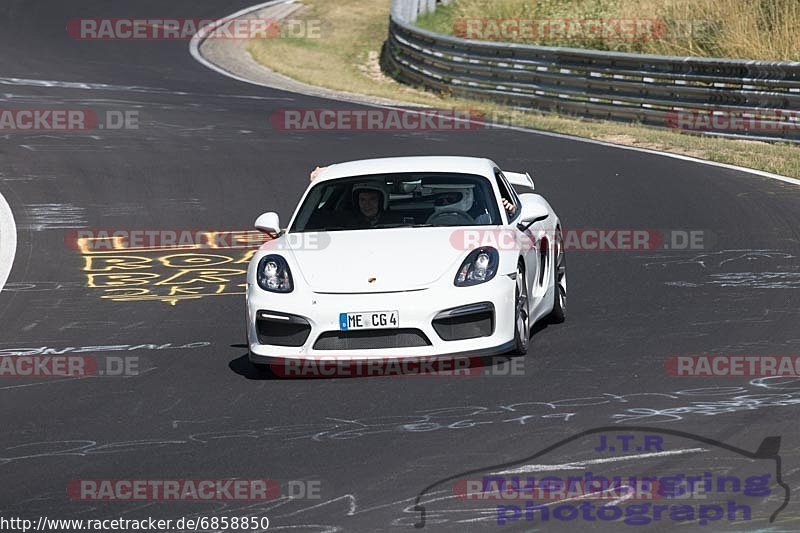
x=452, y=198
x=369, y=202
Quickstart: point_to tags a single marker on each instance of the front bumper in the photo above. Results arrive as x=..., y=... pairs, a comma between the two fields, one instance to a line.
x=418, y=335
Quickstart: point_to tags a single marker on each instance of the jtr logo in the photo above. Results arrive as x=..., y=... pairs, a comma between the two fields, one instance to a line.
x=625, y=443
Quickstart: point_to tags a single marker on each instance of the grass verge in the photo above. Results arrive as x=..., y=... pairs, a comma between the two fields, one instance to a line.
x=345, y=58
x=752, y=29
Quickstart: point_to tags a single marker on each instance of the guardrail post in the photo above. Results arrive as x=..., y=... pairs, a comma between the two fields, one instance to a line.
x=427, y=6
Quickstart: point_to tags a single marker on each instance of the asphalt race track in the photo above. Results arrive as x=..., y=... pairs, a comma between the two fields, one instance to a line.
x=205, y=155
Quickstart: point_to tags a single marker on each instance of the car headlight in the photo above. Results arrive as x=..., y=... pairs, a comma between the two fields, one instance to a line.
x=273, y=274
x=479, y=267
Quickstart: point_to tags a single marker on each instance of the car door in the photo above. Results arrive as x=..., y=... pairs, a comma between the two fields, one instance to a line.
x=528, y=246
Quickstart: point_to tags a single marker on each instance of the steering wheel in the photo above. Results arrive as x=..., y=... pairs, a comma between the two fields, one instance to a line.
x=450, y=217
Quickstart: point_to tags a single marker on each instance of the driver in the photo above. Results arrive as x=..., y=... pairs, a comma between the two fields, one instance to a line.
x=370, y=202
x=453, y=202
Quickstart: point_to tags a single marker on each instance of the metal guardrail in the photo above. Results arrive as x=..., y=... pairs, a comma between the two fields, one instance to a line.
x=725, y=97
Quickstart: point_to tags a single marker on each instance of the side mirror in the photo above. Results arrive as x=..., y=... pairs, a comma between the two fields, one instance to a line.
x=534, y=209
x=269, y=223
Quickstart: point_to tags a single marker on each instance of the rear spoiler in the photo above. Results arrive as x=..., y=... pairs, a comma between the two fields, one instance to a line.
x=518, y=179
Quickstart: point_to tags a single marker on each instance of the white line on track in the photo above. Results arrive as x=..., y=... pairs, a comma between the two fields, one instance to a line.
x=8, y=241
x=198, y=38
x=577, y=465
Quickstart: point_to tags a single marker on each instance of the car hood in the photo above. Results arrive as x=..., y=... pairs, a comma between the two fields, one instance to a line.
x=395, y=259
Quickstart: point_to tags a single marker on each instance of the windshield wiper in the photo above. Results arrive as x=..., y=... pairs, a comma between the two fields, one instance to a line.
x=314, y=230
x=402, y=225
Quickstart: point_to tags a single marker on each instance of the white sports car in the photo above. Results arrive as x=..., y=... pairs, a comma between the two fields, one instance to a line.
x=407, y=257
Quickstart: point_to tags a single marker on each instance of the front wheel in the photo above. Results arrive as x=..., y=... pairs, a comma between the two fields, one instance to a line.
x=559, y=313
x=522, y=329
x=260, y=368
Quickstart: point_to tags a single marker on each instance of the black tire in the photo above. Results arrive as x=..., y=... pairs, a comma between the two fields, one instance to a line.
x=522, y=326
x=559, y=313
x=260, y=368
x=264, y=370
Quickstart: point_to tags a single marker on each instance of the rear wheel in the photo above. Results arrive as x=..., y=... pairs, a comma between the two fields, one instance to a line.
x=522, y=328
x=559, y=313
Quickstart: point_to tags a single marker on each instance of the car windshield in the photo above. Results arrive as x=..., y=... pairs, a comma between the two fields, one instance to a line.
x=398, y=200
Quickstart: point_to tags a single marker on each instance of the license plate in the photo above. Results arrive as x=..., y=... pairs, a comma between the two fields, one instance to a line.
x=369, y=320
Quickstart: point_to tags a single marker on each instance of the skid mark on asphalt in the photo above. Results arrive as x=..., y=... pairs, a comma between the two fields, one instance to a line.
x=28, y=82
x=752, y=280
x=58, y=84
x=750, y=269
x=39, y=217
x=735, y=259
x=24, y=177
x=578, y=465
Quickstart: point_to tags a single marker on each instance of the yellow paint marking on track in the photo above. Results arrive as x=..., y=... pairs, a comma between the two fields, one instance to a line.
x=171, y=278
